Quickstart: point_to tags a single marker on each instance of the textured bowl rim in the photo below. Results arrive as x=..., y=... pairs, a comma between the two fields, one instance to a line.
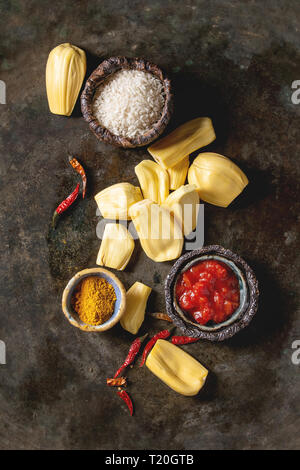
x=228, y=330
x=71, y=285
x=104, y=70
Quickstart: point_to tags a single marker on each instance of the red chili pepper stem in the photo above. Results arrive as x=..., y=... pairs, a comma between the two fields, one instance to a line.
x=142, y=338
x=55, y=219
x=80, y=170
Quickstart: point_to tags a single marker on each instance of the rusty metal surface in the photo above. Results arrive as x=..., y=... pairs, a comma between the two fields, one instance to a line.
x=232, y=61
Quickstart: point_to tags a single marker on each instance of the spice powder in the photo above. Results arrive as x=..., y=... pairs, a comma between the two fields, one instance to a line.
x=94, y=300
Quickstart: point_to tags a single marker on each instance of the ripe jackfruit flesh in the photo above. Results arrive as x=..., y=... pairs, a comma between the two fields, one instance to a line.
x=154, y=180
x=177, y=174
x=115, y=201
x=65, y=71
x=184, y=205
x=159, y=232
x=176, y=368
x=218, y=180
x=136, y=301
x=186, y=139
x=116, y=247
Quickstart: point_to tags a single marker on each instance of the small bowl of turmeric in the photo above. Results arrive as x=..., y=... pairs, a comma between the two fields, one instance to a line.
x=94, y=300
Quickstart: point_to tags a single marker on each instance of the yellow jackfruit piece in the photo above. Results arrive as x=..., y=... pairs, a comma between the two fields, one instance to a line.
x=176, y=368
x=116, y=247
x=187, y=138
x=218, y=180
x=184, y=205
x=159, y=232
x=65, y=71
x=136, y=301
x=177, y=174
x=114, y=201
x=154, y=180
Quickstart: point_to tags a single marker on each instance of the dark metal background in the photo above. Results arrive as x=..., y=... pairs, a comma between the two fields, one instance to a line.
x=232, y=60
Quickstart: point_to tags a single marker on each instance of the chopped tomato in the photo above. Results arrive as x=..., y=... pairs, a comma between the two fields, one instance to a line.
x=186, y=301
x=187, y=279
x=208, y=292
x=218, y=299
x=202, y=316
x=201, y=288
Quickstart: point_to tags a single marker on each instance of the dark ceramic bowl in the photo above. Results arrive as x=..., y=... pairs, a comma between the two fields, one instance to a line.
x=249, y=294
x=100, y=74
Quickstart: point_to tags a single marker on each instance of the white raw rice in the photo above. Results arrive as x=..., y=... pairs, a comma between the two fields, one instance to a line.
x=129, y=102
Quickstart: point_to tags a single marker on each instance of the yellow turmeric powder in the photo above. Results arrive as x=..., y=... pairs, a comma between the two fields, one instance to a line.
x=94, y=300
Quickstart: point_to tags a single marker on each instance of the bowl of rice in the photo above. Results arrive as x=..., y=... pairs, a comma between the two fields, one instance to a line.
x=127, y=102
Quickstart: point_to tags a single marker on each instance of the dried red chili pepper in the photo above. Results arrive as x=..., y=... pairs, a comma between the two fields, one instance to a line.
x=183, y=339
x=164, y=334
x=134, y=349
x=63, y=206
x=161, y=316
x=116, y=382
x=80, y=170
x=126, y=398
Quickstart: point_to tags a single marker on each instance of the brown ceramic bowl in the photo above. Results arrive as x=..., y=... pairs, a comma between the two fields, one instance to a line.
x=100, y=74
x=120, y=304
x=249, y=294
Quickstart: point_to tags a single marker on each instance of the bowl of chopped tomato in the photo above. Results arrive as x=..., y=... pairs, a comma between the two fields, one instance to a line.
x=211, y=293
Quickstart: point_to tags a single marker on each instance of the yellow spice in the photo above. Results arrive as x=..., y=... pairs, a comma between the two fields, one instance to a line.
x=94, y=300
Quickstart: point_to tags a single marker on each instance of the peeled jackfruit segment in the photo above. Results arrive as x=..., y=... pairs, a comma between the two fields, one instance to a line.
x=136, y=301
x=115, y=201
x=176, y=368
x=177, y=174
x=65, y=71
x=184, y=140
x=159, y=232
x=184, y=205
x=154, y=180
x=218, y=180
x=116, y=247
